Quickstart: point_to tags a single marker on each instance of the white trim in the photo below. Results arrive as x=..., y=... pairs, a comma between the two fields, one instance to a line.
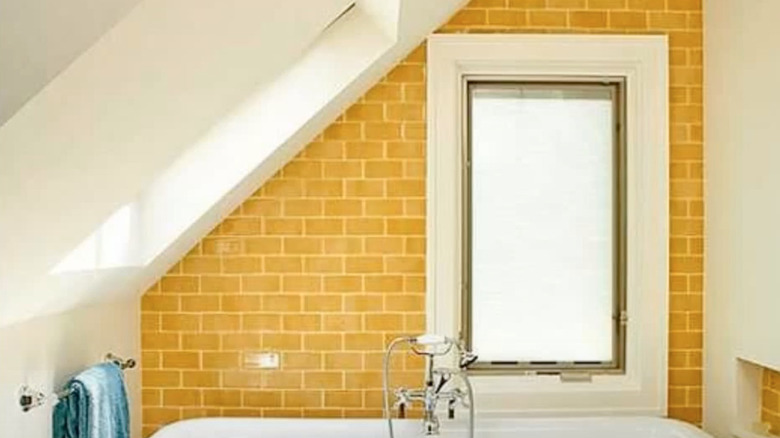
x=643, y=61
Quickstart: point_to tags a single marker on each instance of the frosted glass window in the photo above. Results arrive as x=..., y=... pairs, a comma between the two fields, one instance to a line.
x=544, y=223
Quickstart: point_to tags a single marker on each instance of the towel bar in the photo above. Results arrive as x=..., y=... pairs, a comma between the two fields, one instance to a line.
x=30, y=398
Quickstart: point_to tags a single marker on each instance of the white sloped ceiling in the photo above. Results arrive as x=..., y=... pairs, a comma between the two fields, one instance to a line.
x=39, y=38
x=146, y=141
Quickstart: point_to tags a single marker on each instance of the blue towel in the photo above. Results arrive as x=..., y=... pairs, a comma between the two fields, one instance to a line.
x=97, y=406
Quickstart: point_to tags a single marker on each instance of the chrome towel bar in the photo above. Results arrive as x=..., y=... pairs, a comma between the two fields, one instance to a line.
x=30, y=398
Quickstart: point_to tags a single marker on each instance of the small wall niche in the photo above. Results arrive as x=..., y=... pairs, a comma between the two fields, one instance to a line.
x=770, y=400
x=758, y=400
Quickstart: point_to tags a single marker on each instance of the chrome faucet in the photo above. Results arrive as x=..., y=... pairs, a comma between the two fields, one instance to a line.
x=436, y=379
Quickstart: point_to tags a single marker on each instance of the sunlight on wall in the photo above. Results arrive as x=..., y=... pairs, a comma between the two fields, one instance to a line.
x=110, y=246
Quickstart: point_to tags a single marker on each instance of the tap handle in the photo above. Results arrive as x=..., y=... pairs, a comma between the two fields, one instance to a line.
x=444, y=377
x=467, y=358
x=401, y=397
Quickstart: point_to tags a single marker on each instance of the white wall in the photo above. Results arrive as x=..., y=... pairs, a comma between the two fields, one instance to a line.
x=39, y=38
x=43, y=353
x=743, y=205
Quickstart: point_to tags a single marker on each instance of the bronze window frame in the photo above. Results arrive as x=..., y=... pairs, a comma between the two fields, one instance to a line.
x=617, y=365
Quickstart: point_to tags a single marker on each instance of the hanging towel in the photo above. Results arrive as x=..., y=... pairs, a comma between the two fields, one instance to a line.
x=96, y=407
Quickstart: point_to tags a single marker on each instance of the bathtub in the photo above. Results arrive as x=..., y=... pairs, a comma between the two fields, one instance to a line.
x=617, y=427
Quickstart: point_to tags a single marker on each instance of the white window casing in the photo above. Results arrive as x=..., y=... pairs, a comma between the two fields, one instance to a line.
x=643, y=62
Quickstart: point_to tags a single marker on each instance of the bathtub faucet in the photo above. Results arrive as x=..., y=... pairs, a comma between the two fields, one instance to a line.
x=436, y=380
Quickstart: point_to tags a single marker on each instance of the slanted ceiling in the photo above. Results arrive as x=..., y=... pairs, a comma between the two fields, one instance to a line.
x=157, y=131
x=39, y=38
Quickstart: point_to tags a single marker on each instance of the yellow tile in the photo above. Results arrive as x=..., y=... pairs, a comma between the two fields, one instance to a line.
x=382, y=322
x=566, y=4
x=323, y=188
x=588, y=19
x=240, y=341
x=324, y=379
x=283, y=264
x=323, y=342
x=283, y=226
x=326, y=264
x=260, y=207
x=181, y=397
x=200, y=303
x=627, y=20
x=261, y=322
x=201, y=379
x=365, y=112
x=302, y=399
x=343, y=283
x=343, y=131
x=240, y=303
x=364, y=264
x=384, y=283
x=160, y=341
x=385, y=245
x=547, y=18
x=241, y=226
x=151, y=397
x=406, y=187
x=302, y=323
x=161, y=379
x=384, y=207
x=264, y=245
x=281, y=341
x=301, y=361
x=323, y=303
x=343, y=322
x=343, y=361
x=180, y=323
x=506, y=17
x=363, y=341
x=181, y=360
x=365, y=188
x=406, y=74
x=282, y=303
x=365, y=226
x=219, y=322
x=345, y=399
x=242, y=265
x=220, y=284
x=301, y=283
x=180, y=284
x=320, y=227
x=262, y=398
x=221, y=397
x=260, y=283
x=343, y=207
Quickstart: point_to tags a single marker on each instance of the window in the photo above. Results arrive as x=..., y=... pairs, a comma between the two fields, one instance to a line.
x=543, y=247
x=547, y=218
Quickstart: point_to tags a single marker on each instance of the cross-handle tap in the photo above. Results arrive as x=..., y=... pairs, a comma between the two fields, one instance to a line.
x=402, y=398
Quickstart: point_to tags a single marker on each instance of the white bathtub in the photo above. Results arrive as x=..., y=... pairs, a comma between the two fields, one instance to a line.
x=499, y=428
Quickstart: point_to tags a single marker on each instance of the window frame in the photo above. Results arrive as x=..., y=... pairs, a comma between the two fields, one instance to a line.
x=619, y=326
x=643, y=61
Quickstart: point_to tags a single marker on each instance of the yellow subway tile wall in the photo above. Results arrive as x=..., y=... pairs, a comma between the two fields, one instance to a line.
x=770, y=400
x=326, y=262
